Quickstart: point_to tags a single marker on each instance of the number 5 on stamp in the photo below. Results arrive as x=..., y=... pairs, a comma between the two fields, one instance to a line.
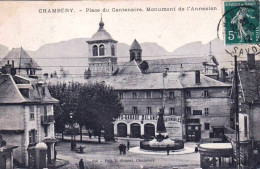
x=242, y=22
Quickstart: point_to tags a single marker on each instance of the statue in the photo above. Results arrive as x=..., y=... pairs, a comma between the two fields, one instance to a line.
x=160, y=122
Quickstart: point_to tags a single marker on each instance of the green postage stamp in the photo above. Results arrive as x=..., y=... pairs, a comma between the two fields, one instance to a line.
x=242, y=22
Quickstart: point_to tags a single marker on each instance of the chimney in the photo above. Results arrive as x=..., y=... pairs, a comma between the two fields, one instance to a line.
x=8, y=68
x=181, y=71
x=251, y=61
x=223, y=75
x=197, y=77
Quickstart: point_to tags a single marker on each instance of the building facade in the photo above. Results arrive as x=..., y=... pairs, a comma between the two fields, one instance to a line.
x=26, y=114
x=195, y=104
x=249, y=114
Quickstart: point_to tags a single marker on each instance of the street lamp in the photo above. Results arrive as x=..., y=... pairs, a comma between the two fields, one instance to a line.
x=72, y=131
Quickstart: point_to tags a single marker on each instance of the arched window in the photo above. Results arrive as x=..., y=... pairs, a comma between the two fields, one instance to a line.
x=95, y=50
x=101, y=50
x=132, y=56
x=138, y=56
x=113, y=50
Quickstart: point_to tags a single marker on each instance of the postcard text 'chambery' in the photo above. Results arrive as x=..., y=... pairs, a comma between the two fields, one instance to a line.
x=118, y=10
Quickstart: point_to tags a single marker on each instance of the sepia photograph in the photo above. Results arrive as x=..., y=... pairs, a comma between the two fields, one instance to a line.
x=124, y=84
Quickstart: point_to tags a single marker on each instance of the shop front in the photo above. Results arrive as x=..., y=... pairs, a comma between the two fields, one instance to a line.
x=216, y=155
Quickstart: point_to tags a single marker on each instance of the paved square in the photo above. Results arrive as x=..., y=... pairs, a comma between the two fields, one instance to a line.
x=106, y=155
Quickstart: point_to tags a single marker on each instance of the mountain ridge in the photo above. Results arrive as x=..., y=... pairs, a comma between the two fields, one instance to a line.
x=72, y=54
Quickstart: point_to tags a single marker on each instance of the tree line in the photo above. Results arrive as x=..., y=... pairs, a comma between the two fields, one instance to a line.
x=94, y=105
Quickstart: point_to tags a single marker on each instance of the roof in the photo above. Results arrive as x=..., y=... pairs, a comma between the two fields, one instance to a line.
x=21, y=59
x=101, y=34
x=135, y=46
x=130, y=68
x=11, y=89
x=188, y=81
x=250, y=81
x=174, y=64
x=151, y=81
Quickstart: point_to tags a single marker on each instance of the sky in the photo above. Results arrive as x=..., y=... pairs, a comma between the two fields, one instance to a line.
x=21, y=23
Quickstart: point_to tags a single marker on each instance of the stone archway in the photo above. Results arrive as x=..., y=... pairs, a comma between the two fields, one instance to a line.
x=122, y=130
x=135, y=130
x=149, y=129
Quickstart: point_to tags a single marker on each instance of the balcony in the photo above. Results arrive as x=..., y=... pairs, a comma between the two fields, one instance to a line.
x=45, y=120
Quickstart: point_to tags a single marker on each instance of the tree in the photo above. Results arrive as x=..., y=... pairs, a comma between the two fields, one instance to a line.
x=95, y=105
x=102, y=106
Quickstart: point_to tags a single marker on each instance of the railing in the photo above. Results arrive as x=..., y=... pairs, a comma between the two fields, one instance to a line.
x=47, y=119
x=229, y=130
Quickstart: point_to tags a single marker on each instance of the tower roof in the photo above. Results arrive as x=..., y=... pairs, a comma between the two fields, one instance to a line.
x=101, y=34
x=21, y=59
x=135, y=46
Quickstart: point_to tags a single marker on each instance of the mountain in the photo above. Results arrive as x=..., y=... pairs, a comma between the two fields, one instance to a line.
x=197, y=49
x=72, y=54
x=3, y=51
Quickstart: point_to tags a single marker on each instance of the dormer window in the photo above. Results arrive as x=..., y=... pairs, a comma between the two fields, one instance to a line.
x=101, y=50
x=95, y=50
x=113, y=50
x=24, y=92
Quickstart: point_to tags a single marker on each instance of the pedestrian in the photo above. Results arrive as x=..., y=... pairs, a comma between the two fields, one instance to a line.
x=128, y=144
x=81, y=164
x=196, y=149
x=89, y=134
x=120, y=149
x=124, y=148
x=168, y=149
x=214, y=162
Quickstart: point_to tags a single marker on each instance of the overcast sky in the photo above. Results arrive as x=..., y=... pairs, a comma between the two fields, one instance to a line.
x=21, y=24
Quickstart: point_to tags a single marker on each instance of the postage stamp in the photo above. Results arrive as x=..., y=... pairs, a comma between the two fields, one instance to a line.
x=241, y=22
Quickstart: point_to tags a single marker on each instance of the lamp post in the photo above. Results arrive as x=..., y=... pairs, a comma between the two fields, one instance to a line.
x=72, y=131
x=236, y=102
x=237, y=114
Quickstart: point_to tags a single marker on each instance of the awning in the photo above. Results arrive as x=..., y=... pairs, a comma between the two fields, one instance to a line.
x=216, y=149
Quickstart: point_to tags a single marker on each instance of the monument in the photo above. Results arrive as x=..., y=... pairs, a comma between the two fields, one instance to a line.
x=161, y=141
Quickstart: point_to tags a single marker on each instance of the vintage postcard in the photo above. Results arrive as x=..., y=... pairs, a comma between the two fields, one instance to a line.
x=130, y=84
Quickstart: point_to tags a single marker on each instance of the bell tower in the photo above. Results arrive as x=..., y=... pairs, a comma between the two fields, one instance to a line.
x=102, y=55
x=135, y=51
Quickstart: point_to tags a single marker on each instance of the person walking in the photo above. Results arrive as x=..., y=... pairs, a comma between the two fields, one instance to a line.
x=120, y=149
x=128, y=144
x=168, y=149
x=196, y=149
x=81, y=164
